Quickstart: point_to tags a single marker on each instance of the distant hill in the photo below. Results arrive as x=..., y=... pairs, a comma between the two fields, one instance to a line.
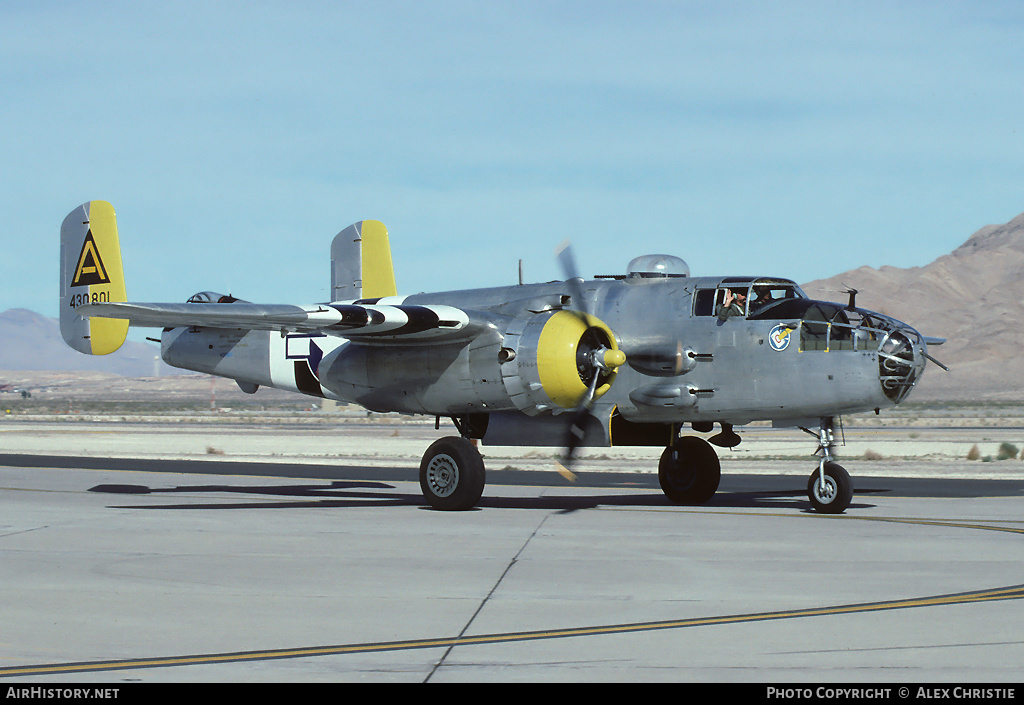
x=973, y=297
x=30, y=341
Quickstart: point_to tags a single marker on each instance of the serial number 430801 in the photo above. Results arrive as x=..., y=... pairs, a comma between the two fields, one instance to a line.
x=96, y=297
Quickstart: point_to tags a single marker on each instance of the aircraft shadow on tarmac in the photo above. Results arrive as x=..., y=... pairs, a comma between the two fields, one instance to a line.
x=353, y=494
x=349, y=487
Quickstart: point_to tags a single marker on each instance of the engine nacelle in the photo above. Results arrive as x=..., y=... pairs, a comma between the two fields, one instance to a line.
x=546, y=360
x=542, y=362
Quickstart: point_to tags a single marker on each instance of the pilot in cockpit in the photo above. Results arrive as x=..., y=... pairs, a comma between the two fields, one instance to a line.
x=732, y=305
x=760, y=297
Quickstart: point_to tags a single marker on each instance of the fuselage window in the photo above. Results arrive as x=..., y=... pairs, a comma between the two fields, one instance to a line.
x=704, y=302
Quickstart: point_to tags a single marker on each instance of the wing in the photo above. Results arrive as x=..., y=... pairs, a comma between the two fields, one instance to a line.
x=381, y=322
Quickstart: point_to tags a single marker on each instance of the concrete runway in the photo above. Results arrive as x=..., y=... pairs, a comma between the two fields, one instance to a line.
x=220, y=569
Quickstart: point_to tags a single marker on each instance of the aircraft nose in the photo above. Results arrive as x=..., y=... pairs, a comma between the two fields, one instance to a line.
x=901, y=360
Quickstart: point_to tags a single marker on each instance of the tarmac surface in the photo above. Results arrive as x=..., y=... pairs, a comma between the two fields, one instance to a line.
x=123, y=559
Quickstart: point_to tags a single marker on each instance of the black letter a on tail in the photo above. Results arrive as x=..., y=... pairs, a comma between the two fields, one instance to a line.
x=90, y=268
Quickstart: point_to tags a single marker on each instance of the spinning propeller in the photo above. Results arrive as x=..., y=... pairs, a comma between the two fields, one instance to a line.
x=597, y=359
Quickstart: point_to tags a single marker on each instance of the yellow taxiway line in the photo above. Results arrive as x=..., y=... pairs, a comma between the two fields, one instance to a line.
x=1011, y=592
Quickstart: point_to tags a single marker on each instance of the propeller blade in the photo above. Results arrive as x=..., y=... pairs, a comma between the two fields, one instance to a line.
x=572, y=277
x=577, y=429
x=565, y=472
x=566, y=259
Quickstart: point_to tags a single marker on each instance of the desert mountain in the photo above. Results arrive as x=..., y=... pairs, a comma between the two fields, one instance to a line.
x=973, y=297
x=30, y=341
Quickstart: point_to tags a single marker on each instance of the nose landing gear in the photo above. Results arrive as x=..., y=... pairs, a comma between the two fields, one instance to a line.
x=829, y=487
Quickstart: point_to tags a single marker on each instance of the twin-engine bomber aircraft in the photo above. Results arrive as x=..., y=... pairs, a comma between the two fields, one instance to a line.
x=622, y=360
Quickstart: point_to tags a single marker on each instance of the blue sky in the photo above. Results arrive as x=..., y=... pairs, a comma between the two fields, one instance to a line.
x=798, y=139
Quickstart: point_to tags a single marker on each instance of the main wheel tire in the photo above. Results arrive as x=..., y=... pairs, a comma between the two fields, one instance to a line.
x=834, y=496
x=689, y=471
x=452, y=474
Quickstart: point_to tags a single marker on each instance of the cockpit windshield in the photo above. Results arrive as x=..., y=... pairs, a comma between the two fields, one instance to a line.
x=769, y=294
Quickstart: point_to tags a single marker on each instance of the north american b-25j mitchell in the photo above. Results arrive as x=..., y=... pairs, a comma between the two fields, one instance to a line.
x=619, y=360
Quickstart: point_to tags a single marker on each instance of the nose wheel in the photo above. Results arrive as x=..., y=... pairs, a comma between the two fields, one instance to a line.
x=830, y=489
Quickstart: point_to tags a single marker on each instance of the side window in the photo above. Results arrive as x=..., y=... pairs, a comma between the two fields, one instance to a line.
x=814, y=330
x=704, y=302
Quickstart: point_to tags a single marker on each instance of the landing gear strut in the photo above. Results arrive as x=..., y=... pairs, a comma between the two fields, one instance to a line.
x=829, y=487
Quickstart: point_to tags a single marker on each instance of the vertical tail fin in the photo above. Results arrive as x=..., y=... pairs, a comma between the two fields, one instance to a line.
x=91, y=272
x=361, y=263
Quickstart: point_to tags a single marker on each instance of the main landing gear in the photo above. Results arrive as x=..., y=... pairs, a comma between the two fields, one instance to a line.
x=452, y=474
x=689, y=471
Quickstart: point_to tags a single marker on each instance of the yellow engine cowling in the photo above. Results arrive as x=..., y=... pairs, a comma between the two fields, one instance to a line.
x=547, y=362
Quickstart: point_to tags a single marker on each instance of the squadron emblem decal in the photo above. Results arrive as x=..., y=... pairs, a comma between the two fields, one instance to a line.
x=90, y=268
x=779, y=337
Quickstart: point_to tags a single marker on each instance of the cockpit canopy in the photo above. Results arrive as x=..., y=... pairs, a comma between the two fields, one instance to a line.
x=211, y=297
x=761, y=297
